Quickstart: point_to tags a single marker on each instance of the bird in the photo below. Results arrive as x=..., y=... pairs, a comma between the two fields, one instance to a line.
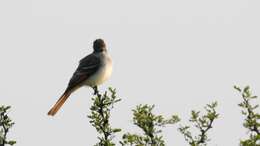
x=93, y=70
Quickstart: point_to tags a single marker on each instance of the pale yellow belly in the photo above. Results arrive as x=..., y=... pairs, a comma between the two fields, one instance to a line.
x=100, y=76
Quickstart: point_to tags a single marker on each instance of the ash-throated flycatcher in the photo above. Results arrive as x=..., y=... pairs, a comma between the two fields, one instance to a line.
x=92, y=71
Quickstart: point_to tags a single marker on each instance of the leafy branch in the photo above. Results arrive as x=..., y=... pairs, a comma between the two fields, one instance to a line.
x=252, y=118
x=203, y=123
x=100, y=115
x=5, y=125
x=150, y=125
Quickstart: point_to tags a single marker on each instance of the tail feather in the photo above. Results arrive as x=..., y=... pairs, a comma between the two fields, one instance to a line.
x=58, y=104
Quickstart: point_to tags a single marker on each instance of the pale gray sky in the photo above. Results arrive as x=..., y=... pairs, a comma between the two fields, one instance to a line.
x=178, y=55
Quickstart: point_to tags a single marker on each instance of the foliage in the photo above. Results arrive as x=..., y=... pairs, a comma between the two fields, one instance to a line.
x=203, y=123
x=100, y=115
x=5, y=125
x=252, y=118
x=150, y=125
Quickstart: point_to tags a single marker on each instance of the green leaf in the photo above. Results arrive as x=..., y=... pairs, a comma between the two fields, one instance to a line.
x=116, y=130
x=237, y=88
x=11, y=142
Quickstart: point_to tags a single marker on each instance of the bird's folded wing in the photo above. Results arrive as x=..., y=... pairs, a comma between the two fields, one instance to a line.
x=87, y=67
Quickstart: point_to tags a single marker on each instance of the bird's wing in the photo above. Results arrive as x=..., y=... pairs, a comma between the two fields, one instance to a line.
x=87, y=67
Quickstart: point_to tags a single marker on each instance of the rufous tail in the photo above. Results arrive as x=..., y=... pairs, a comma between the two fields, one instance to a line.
x=59, y=103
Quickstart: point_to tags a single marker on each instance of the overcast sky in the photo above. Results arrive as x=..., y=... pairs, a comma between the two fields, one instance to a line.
x=178, y=55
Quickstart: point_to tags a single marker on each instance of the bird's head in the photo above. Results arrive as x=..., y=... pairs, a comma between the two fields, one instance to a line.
x=99, y=45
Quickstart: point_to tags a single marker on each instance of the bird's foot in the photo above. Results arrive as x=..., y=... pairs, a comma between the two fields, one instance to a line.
x=95, y=88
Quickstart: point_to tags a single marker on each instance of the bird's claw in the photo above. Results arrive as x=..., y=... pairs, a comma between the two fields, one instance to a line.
x=95, y=90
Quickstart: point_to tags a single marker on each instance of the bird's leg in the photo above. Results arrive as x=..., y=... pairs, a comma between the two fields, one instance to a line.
x=95, y=88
